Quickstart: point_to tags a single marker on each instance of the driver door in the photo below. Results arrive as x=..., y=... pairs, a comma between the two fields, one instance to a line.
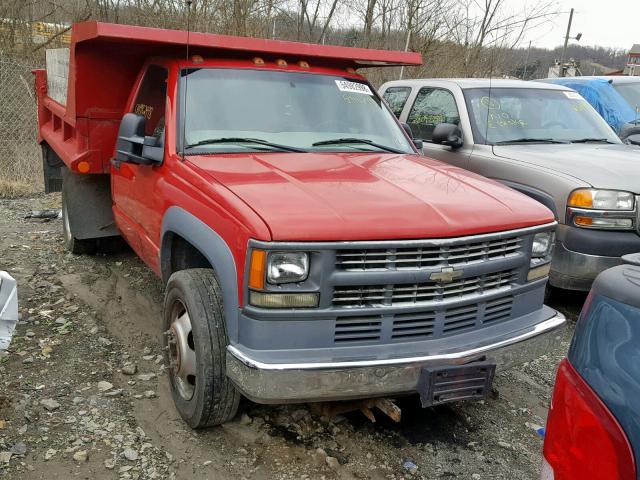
x=431, y=107
x=136, y=208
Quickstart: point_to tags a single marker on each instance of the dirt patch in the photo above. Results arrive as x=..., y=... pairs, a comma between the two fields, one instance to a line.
x=70, y=407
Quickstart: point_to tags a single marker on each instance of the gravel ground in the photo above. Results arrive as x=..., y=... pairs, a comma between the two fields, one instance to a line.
x=83, y=393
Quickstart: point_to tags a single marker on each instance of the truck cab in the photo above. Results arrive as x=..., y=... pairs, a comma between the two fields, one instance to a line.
x=309, y=252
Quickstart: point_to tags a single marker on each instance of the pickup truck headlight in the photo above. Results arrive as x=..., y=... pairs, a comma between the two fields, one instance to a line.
x=604, y=209
x=601, y=199
x=287, y=267
x=542, y=244
x=277, y=268
x=541, y=249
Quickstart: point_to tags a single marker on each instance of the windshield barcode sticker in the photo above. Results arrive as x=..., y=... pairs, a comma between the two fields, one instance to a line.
x=573, y=95
x=353, y=87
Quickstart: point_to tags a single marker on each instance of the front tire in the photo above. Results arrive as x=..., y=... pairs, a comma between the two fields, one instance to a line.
x=196, y=337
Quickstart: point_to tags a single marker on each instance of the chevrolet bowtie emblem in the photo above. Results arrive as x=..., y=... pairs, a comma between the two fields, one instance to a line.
x=446, y=275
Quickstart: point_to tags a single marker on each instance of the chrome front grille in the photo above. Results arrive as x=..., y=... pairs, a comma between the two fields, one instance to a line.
x=416, y=257
x=422, y=325
x=399, y=294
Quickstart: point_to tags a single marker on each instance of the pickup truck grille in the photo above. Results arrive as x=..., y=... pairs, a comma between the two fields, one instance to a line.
x=426, y=256
x=416, y=326
x=398, y=294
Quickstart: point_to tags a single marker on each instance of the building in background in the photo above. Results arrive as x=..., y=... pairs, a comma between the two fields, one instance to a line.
x=633, y=62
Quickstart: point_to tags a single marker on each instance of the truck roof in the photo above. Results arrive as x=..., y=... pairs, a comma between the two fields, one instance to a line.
x=160, y=41
x=466, y=83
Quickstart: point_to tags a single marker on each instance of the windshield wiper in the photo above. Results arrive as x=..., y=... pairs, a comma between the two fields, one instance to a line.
x=530, y=140
x=595, y=140
x=213, y=141
x=338, y=141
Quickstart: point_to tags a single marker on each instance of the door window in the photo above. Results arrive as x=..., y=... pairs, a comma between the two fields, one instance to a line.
x=396, y=97
x=432, y=107
x=150, y=101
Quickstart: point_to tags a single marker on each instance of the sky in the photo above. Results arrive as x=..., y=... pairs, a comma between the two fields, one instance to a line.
x=605, y=23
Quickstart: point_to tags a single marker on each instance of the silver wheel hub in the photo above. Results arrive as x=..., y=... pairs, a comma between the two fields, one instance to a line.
x=181, y=348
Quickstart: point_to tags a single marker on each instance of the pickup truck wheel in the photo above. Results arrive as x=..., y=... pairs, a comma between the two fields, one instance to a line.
x=196, y=341
x=71, y=243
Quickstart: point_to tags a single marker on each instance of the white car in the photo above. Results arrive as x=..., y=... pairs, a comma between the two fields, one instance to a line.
x=8, y=309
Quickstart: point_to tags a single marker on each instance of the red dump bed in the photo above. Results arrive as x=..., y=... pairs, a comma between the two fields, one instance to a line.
x=105, y=60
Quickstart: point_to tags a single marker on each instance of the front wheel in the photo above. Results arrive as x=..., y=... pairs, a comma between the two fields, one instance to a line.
x=196, y=342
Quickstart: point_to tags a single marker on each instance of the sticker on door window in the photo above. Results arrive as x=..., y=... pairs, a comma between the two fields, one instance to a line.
x=145, y=110
x=353, y=87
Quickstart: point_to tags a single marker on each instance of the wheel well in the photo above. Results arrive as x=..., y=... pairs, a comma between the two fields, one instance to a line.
x=183, y=255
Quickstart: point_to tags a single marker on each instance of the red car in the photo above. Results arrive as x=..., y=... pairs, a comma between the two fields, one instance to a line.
x=593, y=428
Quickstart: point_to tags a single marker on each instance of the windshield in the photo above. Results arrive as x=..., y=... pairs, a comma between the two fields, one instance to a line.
x=510, y=114
x=240, y=110
x=630, y=92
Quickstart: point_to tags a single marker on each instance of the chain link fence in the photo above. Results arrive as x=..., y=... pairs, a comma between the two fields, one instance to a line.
x=20, y=156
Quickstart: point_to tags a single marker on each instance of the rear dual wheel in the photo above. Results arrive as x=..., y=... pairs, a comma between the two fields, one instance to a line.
x=196, y=342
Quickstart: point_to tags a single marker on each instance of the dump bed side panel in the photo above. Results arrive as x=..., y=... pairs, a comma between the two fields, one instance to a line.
x=85, y=128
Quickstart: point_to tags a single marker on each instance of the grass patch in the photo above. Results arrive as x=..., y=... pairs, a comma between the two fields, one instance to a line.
x=16, y=189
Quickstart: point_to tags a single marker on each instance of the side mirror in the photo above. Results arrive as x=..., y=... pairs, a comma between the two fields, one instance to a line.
x=448, y=134
x=417, y=142
x=133, y=146
x=633, y=139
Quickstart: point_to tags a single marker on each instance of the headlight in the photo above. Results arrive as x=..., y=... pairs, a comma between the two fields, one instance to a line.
x=601, y=199
x=542, y=243
x=287, y=267
x=601, y=209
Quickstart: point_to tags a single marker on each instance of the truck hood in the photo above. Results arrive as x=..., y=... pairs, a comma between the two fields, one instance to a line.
x=600, y=165
x=363, y=196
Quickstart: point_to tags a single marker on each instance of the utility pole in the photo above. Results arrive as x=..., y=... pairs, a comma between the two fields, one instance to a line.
x=566, y=41
x=526, y=62
x=406, y=47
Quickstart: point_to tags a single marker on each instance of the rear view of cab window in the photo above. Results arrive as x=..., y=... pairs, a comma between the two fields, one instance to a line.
x=396, y=97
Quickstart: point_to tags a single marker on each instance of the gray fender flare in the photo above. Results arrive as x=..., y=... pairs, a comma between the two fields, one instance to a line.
x=542, y=197
x=216, y=251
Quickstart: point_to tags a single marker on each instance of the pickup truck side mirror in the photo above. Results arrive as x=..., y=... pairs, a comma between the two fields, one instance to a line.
x=448, y=134
x=133, y=146
x=633, y=139
x=417, y=142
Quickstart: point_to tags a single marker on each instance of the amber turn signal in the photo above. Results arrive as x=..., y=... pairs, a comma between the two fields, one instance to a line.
x=257, y=269
x=581, y=198
x=583, y=221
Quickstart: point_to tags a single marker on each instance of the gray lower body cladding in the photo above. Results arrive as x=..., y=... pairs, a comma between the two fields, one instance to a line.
x=8, y=309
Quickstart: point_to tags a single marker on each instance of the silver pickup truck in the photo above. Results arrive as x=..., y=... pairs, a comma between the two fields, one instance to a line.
x=8, y=309
x=545, y=141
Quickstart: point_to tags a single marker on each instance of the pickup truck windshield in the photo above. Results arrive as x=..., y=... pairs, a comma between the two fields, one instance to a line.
x=522, y=115
x=241, y=110
x=630, y=92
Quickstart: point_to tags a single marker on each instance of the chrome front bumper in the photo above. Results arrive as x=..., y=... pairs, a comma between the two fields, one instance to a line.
x=311, y=382
x=8, y=309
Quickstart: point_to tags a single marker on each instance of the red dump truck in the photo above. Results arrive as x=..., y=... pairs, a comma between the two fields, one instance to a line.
x=309, y=252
